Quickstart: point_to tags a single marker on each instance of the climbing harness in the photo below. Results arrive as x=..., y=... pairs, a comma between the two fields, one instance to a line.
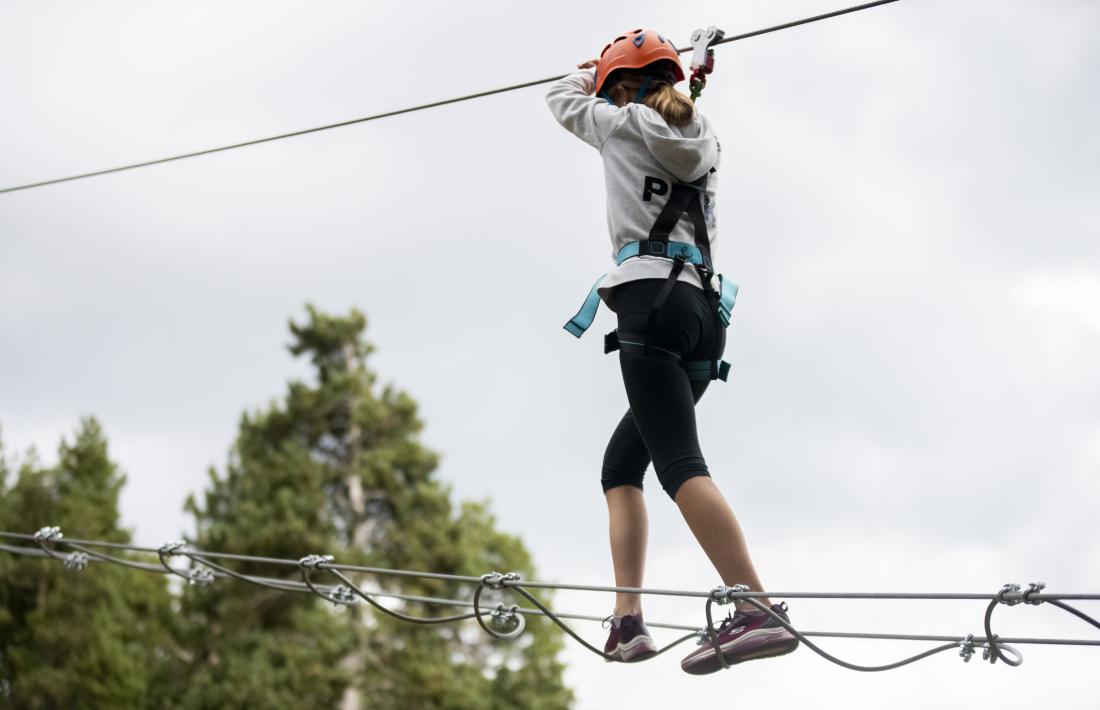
x=684, y=198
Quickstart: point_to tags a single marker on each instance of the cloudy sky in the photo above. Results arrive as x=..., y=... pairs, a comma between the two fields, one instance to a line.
x=909, y=202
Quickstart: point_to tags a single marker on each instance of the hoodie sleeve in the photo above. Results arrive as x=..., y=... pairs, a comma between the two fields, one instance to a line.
x=588, y=117
x=689, y=156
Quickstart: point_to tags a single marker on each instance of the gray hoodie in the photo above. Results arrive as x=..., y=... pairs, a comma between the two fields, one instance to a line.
x=635, y=144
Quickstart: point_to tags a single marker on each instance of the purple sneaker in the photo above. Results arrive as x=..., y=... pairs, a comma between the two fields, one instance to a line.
x=629, y=639
x=743, y=637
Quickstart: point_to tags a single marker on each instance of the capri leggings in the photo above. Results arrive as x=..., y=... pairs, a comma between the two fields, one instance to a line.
x=660, y=426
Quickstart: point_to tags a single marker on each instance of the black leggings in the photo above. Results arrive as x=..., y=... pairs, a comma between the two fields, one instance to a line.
x=660, y=424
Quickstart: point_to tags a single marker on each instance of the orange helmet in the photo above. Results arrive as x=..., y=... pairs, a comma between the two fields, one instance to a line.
x=634, y=50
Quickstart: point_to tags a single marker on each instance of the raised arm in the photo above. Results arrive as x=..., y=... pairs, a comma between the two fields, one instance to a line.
x=588, y=117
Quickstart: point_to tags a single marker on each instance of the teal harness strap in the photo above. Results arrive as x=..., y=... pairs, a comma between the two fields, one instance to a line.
x=726, y=298
x=691, y=253
x=706, y=369
x=583, y=320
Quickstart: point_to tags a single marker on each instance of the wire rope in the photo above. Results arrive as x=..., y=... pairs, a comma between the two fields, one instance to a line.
x=410, y=109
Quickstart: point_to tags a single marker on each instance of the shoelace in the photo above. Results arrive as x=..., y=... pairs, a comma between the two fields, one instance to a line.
x=730, y=621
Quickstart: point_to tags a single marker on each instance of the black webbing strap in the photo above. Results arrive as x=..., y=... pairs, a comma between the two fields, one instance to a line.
x=695, y=369
x=662, y=296
x=684, y=197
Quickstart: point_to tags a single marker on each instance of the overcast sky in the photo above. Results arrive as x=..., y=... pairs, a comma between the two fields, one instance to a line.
x=908, y=200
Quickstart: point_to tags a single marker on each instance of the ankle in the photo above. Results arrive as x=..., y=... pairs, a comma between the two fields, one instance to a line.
x=750, y=609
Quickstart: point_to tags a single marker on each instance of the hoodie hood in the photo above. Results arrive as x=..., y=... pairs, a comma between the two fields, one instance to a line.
x=687, y=153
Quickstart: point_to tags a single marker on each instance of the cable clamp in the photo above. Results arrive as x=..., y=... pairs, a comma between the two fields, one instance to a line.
x=343, y=595
x=1033, y=588
x=507, y=622
x=315, y=561
x=48, y=534
x=996, y=650
x=200, y=577
x=76, y=561
x=171, y=548
x=496, y=580
x=1010, y=595
x=724, y=595
x=966, y=648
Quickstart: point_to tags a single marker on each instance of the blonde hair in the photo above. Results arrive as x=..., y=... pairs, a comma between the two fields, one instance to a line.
x=662, y=97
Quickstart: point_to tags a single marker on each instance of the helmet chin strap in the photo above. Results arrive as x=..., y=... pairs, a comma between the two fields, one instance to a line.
x=638, y=97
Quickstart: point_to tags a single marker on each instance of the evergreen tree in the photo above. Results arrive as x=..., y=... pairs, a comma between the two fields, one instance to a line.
x=337, y=468
x=100, y=638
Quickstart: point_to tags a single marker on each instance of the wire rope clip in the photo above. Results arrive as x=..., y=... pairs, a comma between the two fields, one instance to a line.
x=48, y=534
x=1033, y=588
x=966, y=648
x=169, y=549
x=996, y=649
x=702, y=58
x=200, y=577
x=76, y=561
x=496, y=580
x=343, y=595
x=507, y=622
x=1010, y=595
x=724, y=595
x=315, y=561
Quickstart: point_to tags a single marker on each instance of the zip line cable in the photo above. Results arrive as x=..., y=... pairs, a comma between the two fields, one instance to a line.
x=411, y=109
x=508, y=621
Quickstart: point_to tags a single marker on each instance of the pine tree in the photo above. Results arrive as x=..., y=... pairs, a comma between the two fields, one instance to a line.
x=338, y=468
x=100, y=638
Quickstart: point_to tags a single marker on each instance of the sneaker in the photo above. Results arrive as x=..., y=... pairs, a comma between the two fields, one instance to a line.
x=743, y=637
x=629, y=639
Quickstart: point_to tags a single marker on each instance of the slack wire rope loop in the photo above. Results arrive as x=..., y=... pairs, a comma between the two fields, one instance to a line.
x=994, y=647
x=50, y=536
x=824, y=654
x=346, y=594
x=411, y=109
x=576, y=637
x=508, y=621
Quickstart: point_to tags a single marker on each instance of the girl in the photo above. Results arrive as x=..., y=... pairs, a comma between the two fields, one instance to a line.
x=660, y=162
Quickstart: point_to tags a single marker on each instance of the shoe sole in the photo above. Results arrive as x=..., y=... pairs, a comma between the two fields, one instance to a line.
x=623, y=652
x=711, y=664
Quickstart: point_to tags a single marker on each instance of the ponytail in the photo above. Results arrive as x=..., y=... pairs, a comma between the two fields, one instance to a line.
x=674, y=107
x=662, y=97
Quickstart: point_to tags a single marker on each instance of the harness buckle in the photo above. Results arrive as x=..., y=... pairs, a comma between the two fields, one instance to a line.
x=611, y=342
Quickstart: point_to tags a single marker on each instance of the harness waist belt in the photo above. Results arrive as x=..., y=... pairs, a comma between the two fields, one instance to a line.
x=669, y=250
x=690, y=253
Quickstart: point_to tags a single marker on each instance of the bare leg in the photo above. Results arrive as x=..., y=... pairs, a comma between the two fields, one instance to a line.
x=712, y=522
x=629, y=528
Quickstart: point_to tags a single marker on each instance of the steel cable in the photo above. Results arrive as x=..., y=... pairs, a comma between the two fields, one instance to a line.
x=410, y=109
x=507, y=622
